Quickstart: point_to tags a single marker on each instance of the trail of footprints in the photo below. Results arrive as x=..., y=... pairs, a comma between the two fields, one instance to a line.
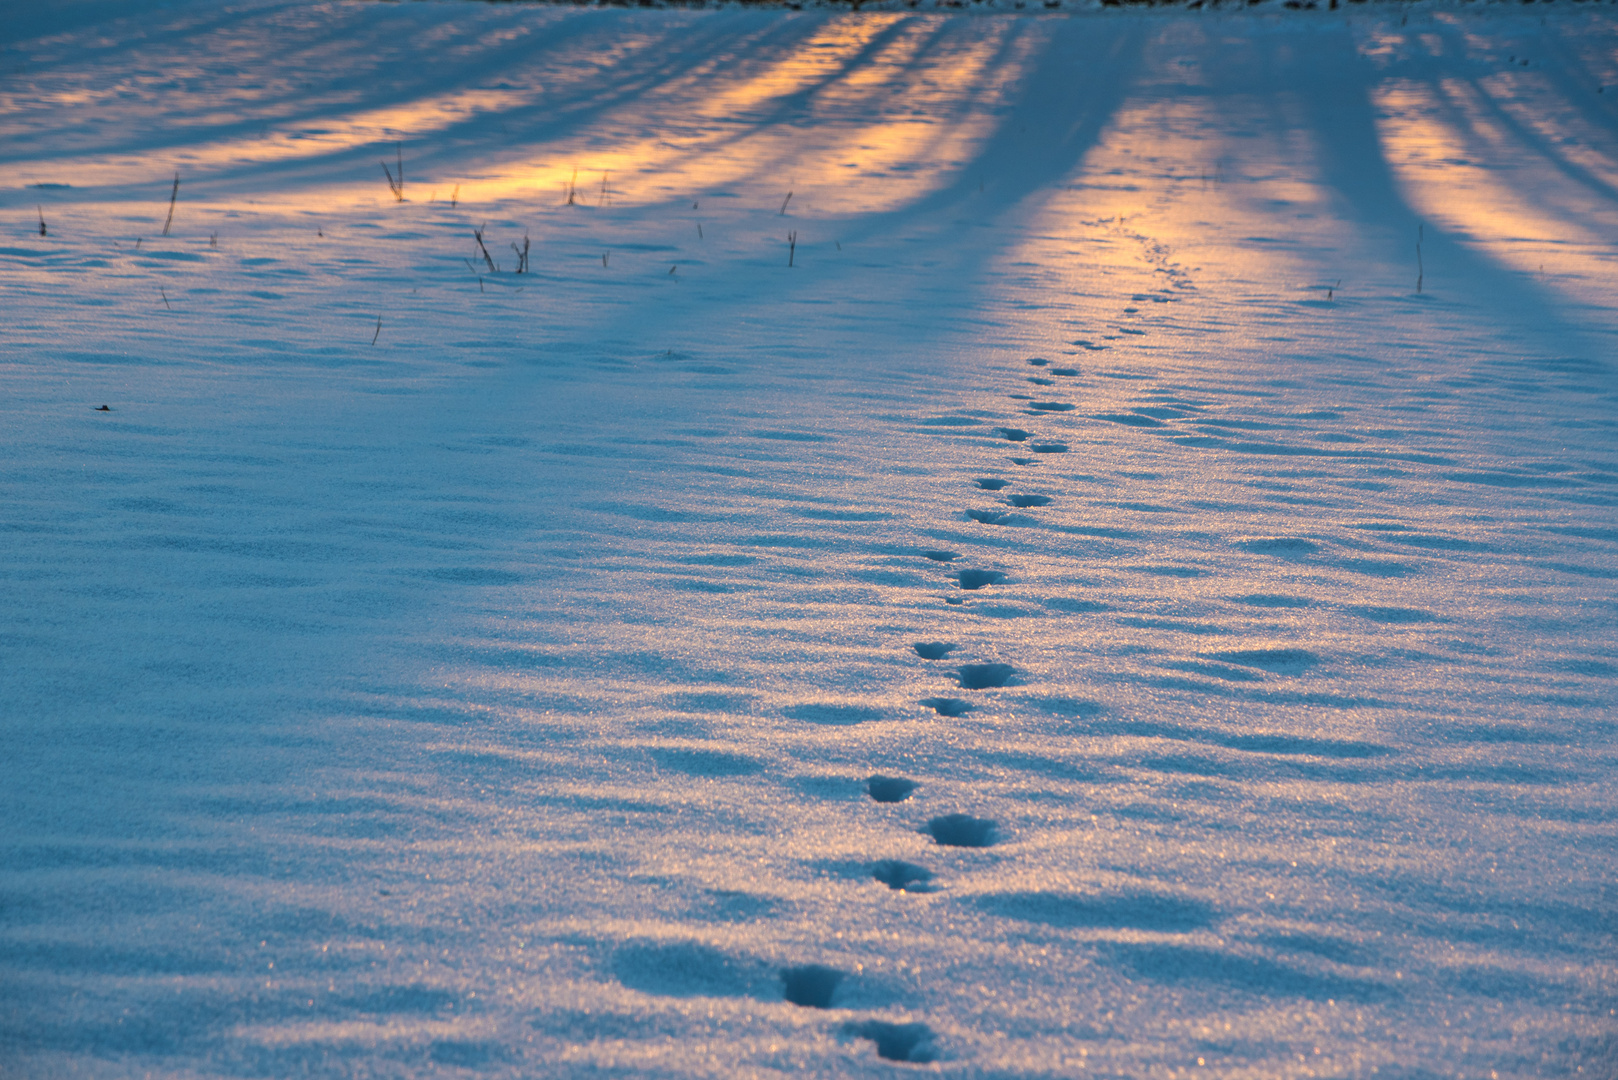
x=815, y=986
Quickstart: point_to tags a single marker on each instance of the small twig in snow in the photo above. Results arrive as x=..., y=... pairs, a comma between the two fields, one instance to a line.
x=792, y=246
x=396, y=186
x=41, y=210
x=1420, y=271
x=165, y=294
x=173, y=195
x=784, y=204
x=478, y=234
x=378, y=330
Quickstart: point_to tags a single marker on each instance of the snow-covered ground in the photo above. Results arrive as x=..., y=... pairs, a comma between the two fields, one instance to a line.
x=426, y=670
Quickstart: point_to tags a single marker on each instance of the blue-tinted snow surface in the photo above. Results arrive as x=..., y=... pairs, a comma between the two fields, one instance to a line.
x=1089, y=614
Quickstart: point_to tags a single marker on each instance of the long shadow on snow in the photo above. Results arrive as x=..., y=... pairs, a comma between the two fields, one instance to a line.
x=1545, y=149
x=582, y=104
x=1036, y=150
x=1333, y=87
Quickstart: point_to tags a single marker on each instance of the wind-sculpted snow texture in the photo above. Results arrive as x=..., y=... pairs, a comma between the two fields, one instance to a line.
x=1090, y=614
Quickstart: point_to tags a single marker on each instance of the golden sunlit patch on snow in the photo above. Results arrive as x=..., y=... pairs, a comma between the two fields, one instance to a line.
x=1469, y=170
x=865, y=114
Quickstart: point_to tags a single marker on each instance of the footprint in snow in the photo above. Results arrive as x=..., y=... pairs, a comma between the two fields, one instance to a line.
x=901, y=876
x=1049, y=448
x=1050, y=406
x=963, y=830
x=1041, y=382
x=1038, y=361
x=934, y=650
x=947, y=706
x=972, y=580
x=985, y=676
x=811, y=985
x=1023, y=461
x=942, y=556
x=898, y=1042
x=1015, y=434
x=992, y=485
x=1025, y=501
x=990, y=517
x=889, y=789
x=1069, y=372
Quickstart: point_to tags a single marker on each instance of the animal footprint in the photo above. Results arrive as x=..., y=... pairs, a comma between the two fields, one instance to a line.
x=1049, y=448
x=1015, y=434
x=934, y=650
x=1068, y=371
x=977, y=579
x=947, y=706
x=992, y=485
x=1038, y=361
x=902, y=876
x=985, y=676
x=942, y=556
x=898, y=1042
x=962, y=830
x=810, y=985
x=889, y=788
x=1050, y=406
x=1025, y=501
x=989, y=517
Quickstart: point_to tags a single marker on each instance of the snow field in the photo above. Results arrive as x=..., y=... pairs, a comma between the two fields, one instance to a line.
x=504, y=697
